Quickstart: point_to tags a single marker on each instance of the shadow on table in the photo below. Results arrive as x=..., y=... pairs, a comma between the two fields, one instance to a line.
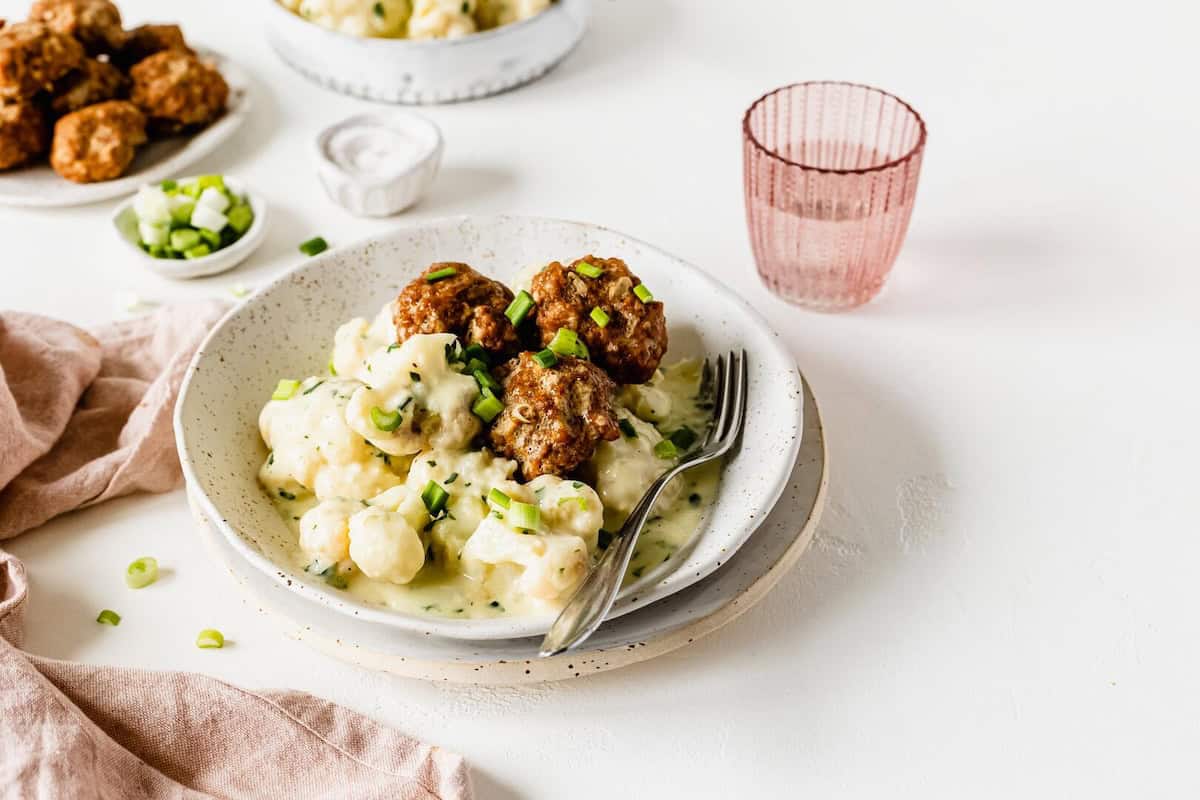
x=488, y=787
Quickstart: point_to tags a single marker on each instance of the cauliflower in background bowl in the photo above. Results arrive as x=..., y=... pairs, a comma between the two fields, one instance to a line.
x=413, y=19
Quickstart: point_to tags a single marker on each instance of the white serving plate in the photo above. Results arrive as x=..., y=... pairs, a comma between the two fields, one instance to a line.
x=670, y=624
x=125, y=223
x=427, y=71
x=39, y=186
x=286, y=327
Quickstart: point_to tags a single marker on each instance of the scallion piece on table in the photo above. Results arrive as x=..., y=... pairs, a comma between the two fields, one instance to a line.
x=519, y=308
x=210, y=639
x=434, y=497
x=141, y=573
x=683, y=438
x=385, y=420
x=642, y=293
x=627, y=428
x=486, y=381
x=588, y=269
x=666, y=449
x=545, y=358
x=313, y=246
x=498, y=499
x=285, y=389
x=566, y=342
x=524, y=516
x=488, y=406
x=600, y=317
x=441, y=274
x=108, y=617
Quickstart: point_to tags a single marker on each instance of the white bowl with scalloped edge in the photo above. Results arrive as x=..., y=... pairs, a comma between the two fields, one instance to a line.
x=285, y=329
x=428, y=71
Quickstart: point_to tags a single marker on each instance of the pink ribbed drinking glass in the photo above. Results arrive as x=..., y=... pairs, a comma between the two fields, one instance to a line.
x=831, y=174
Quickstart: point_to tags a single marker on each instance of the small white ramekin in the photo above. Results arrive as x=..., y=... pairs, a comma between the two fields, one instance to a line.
x=381, y=195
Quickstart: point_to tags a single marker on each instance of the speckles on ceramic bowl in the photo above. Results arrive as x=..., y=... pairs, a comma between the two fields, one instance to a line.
x=286, y=328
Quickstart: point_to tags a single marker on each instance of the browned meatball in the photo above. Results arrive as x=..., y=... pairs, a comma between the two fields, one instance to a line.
x=467, y=304
x=33, y=57
x=97, y=143
x=178, y=91
x=95, y=23
x=94, y=82
x=553, y=417
x=633, y=342
x=146, y=40
x=23, y=134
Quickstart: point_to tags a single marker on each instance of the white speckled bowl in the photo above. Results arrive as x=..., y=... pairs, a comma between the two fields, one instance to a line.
x=428, y=71
x=286, y=329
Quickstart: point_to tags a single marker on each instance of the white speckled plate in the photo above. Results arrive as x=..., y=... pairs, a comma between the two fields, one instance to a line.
x=39, y=186
x=286, y=329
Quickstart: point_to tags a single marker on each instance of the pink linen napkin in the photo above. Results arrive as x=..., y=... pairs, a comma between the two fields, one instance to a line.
x=86, y=418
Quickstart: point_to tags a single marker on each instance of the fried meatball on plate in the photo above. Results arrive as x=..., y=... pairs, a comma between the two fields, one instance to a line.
x=94, y=82
x=33, y=57
x=95, y=23
x=23, y=134
x=97, y=143
x=553, y=417
x=146, y=40
x=177, y=91
x=461, y=302
x=632, y=342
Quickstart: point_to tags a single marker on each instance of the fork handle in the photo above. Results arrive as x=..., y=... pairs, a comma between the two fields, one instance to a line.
x=592, y=601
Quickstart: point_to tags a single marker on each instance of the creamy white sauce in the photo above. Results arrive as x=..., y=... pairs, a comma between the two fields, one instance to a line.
x=374, y=152
x=351, y=493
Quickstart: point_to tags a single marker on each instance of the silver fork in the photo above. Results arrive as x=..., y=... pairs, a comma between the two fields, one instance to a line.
x=594, y=598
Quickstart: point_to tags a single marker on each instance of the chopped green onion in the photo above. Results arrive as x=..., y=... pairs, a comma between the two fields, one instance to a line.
x=210, y=182
x=524, y=516
x=498, y=499
x=332, y=368
x=582, y=501
x=285, y=389
x=182, y=213
x=313, y=246
x=377, y=10
x=476, y=352
x=666, y=449
x=415, y=377
x=683, y=438
x=168, y=185
x=434, y=497
x=312, y=388
x=385, y=420
x=141, y=573
x=519, y=308
x=627, y=428
x=441, y=274
x=643, y=293
x=475, y=365
x=184, y=239
x=109, y=618
x=588, y=269
x=486, y=381
x=545, y=358
x=453, y=477
x=566, y=342
x=488, y=406
x=240, y=217
x=600, y=317
x=210, y=639
x=199, y=251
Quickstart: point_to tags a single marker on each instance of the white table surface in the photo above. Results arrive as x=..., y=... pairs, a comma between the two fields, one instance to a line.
x=1001, y=600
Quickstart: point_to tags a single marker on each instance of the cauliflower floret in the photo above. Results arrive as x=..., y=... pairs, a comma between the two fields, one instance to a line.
x=623, y=468
x=492, y=13
x=325, y=531
x=385, y=545
x=568, y=507
x=441, y=19
x=552, y=564
x=474, y=473
x=415, y=381
x=314, y=450
x=647, y=400
x=384, y=18
x=356, y=340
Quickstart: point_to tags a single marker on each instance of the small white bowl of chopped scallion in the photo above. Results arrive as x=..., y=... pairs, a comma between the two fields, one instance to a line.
x=191, y=227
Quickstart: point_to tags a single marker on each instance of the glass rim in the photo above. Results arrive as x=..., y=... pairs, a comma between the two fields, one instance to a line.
x=913, y=151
